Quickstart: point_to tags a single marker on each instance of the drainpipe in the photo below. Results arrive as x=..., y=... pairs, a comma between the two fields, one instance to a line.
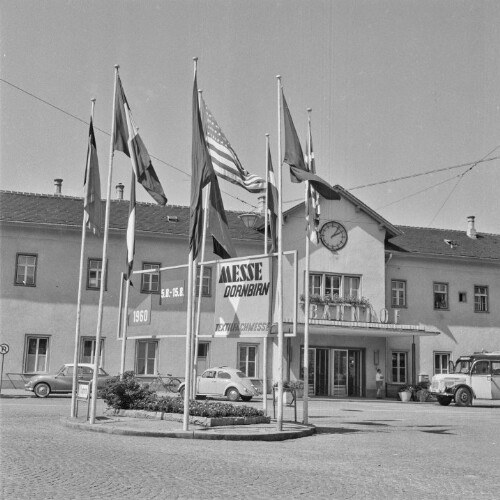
x=413, y=362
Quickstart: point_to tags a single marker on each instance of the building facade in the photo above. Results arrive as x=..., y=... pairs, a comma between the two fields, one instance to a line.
x=401, y=299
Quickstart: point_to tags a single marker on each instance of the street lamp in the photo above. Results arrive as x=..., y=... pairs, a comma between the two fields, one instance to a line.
x=249, y=219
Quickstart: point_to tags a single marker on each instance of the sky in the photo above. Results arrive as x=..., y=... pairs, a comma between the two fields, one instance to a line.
x=397, y=88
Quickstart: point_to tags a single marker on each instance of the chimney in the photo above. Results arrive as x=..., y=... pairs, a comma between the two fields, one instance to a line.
x=119, y=191
x=58, y=185
x=262, y=203
x=471, y=230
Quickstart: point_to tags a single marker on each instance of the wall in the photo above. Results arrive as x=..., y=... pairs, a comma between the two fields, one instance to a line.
x=463, y=331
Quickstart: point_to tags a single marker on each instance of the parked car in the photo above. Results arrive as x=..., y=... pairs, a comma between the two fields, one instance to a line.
x=62, y=381
x=226, y=382
x=472, y=377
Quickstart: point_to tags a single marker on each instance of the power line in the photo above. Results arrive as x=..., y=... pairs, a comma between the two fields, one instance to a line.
x=461, y=176
x=109, y=135
x=473, y=163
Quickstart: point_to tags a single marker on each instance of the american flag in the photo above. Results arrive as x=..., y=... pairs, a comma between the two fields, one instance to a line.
x=224, y=159
x=315, y=210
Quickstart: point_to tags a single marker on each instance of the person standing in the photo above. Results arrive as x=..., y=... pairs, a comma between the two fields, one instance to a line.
x=379, y=382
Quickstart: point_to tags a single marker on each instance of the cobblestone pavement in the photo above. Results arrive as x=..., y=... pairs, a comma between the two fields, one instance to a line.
x=363, y=449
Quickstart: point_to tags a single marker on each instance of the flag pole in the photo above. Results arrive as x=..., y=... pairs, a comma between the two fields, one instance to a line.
x=120, y=308
x=80, y=285
x=189, y=324
x=124, y=328
x=266, y=250
x=198, y=308
x=104, y=263
x=266, y=246
x=305, y=401
x=279, y=420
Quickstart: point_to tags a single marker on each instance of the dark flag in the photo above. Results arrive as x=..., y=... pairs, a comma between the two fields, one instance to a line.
x=92, y=204
x=202, y=175
x=294, y=157
x=272, y=203
x=131, y=229
x=127, y=140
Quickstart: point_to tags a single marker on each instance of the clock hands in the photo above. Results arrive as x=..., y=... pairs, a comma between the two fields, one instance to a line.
x=335, y=234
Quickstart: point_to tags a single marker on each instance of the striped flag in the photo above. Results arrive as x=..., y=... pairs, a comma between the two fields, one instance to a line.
x=202, y=175
x=224, y=159
x=131, y=229
x=272, y=203
x=313, y=195
x=92, y=204
x=127, y=140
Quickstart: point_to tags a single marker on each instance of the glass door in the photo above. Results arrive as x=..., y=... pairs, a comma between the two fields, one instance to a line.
x=312, y=364
x=322, y=371
x=354, y=386
x=340, y=372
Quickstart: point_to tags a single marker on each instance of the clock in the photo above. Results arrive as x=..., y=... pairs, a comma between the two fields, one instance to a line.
x=333, y=235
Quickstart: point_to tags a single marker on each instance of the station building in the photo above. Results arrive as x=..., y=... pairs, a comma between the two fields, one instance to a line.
x=403, y=299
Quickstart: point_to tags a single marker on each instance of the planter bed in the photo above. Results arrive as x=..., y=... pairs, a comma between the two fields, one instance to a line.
x=178, y=417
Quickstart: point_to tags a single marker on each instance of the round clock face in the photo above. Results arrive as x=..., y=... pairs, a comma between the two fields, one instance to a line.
x=333, y=235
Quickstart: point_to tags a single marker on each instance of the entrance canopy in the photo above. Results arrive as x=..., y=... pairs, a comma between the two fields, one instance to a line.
x=362, y=329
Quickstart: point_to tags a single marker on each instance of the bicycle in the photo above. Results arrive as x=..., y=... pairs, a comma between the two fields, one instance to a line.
x=166, y=383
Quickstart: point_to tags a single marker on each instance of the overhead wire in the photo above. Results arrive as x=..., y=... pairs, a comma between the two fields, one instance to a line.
x=460, y=177
x=395, y=179
x=109, y=135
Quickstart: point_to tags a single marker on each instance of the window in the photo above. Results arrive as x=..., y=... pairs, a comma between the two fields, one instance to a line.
x=441, y=362
x=334, y=284
x=146, y=357
x=37, y=350
x=399, y=367
x=462, y=297
x=441, y=296
x=87, y=351
x=481, y=368
x=203, y=349
x=94, y=274
x=150, y=281
x=247, y=359
x=480, y=299
x=206, y=284
x=398, y=293
x=26, y=269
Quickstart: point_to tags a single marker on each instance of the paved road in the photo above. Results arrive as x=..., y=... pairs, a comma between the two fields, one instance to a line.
x=362, y=450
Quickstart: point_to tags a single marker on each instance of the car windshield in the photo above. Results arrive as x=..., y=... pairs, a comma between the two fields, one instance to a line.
x=462, y=366
x=241, y=374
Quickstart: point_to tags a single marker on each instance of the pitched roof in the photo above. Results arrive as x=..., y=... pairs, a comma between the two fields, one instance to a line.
x=390, y=228
x=57, y=210
x=446, y=243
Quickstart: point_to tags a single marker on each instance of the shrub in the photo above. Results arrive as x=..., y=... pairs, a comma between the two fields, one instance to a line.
x=129, y=394
x=126, y=394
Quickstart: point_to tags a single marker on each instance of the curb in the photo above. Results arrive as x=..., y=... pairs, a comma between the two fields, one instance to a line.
x=198, y=434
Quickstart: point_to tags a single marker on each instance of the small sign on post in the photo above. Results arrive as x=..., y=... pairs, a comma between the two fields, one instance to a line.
x=4, y=349
x=83, y=394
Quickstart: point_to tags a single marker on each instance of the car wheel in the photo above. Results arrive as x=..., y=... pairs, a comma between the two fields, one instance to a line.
x=246, y=398
x=42, y=390
x=463, y=397
x=443, y=400
x=233, y=394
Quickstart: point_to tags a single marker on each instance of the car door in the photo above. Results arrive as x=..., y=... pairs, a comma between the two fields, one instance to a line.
x=206, y=383
x=222, y=380
x=495, y=379
x=481, y=379
x=64, y=380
